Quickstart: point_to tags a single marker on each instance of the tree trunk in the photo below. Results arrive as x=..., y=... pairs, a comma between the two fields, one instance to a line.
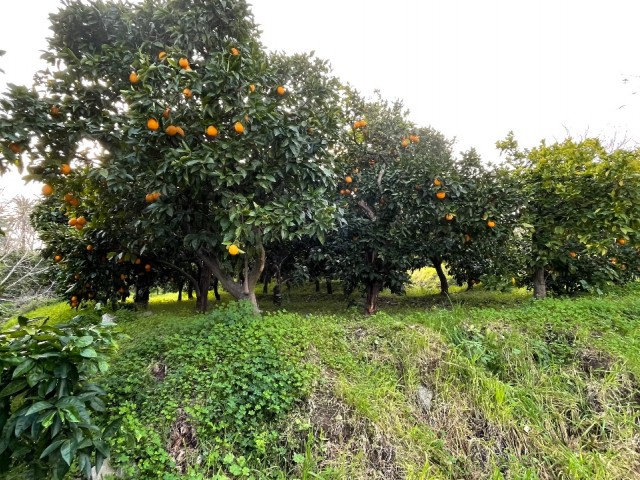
x=142, y=291
x=244, y=290
x=317, y=281
x=469, y=284
x=373, y=292
x=329, y=286
x=215, y=288
x=444, y=284
x=539, y=285
x=265, y=285
x=204, y=283
x=180, y=292
x=190, y=291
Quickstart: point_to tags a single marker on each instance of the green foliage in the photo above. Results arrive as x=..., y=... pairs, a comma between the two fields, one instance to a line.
x=229, y=378
x=48, y=402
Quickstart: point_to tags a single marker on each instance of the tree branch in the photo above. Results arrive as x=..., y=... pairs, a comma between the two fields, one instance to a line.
x=194, y=282
x=368, y=210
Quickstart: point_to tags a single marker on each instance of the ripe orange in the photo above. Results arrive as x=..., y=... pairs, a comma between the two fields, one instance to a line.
x=74, y=202
x=235, y=51
x=156, y=196
x=363, y=123
x=57, y=258
x=252, y=87
x=147, y=268
x=81, y=220
x=448, y=217
x=613, y=260
x=621, y=241
x=280, y=90
x=573, y=254
x=74, y=299
x=405, y=142
x=152, y=124
x=187, y=93
x=343, y=192
x=54, y=110
x=138, y=261
x=76, y=276
x=233, y=250
x=89, y=248
x=212, y=131
x=357, y=124
x=414, y=138
x=180, y=131
x=183, y=62
x=79, y=226
x=65, y=169
x=348, y=179
x=162, y=55
x=238, y=127
x=149, y=197
x=441, y=195
x=72, y=222
x=133, y=77
x=68, y=197
x=15, y=148
x=166, y=113
x=437, y=182
x=171, y=130
x=491, y=224
x=47, y=189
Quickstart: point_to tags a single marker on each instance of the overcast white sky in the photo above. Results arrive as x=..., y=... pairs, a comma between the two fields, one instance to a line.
x=472, y=69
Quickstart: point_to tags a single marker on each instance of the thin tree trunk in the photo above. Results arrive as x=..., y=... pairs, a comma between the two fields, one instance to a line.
x=469, y=284
x=373, y=292
x=539, y=284
x=317, y=281
x=204, y=283
x=444, y=284
x=180, y=292
x=215, y=288
x=329, y=286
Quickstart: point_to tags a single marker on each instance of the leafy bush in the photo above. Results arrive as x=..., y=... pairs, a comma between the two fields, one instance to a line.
x=211, y=389
x=47, y=402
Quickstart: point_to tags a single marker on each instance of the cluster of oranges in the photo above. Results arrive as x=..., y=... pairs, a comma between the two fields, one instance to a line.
x=71, y=200
x=412, y=139
x=78, y=222
x=359, y=124
x=152, y=197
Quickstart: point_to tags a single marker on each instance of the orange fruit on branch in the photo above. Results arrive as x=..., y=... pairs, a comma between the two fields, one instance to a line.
x=183, y=62
x=152, y=124
x=621, y=241
x=448, y=217
x=573, y=254
x=280, y=90
x=47, y=189
x=57, y=258
x=134, y=78
x=72, y=222
x=235, y=51
x=15, y=147
x=166, y=113
x=405, y=142
x=252, y=87
x=147, y=268
x=54, y=110
x=187, y=93
x=441, y=195
x=437, y=182
x=212, y=131
x=65, y=169
x=491, y=224
x=348, y=179
x=171, y=130
x=238, y=127
x=233, y=250
x=162, y=55
x=89, y=248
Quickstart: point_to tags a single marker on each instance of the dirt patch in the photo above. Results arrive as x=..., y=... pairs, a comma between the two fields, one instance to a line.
x=595, y=362
x=159, y=370
x=183, y=443
x=346, y=434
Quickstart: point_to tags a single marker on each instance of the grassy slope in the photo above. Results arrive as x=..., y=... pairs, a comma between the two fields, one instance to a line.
x=517, y=389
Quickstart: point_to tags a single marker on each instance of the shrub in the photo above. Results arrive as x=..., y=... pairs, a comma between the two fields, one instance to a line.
x=47, y=401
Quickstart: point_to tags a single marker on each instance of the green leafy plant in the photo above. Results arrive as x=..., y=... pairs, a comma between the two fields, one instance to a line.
x=48, y=404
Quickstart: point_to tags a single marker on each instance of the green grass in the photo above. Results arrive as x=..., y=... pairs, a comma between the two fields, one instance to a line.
x=520, y=389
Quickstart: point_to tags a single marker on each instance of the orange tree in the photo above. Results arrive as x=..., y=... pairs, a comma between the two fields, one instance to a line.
x=580, y=210
x=196, y=136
